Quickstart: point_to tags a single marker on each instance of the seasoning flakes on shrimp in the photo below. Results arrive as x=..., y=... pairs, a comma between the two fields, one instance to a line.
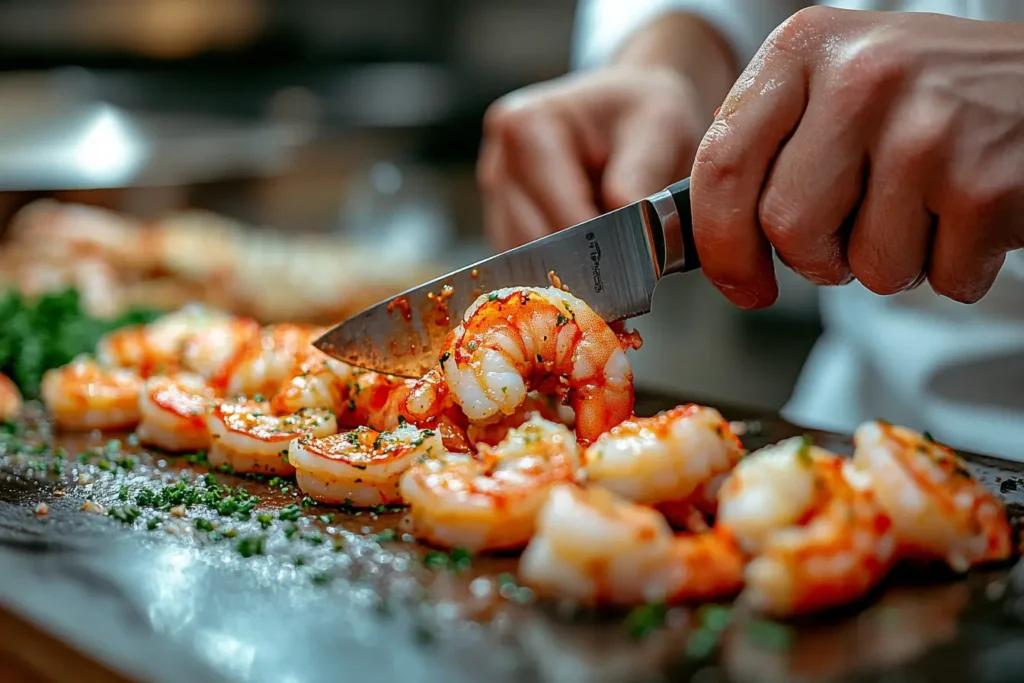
x=362, y=467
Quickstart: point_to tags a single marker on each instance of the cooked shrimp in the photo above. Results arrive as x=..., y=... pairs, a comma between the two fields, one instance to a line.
x=362, y=467
x=663, y=458
x=155, y=348
x=594, y=547
x=516, y=340
x=214, y=352
x=246, y=437
x=817, y=541
x=493, y=430
x=271, y=359
x=939, y=510
x=490, y=502
x=367, y=400
x=173, y=413
x=318, y=382
x=10, y=399
x=84, y=396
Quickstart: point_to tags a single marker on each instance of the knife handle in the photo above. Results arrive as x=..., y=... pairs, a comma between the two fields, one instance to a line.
x=676, y=250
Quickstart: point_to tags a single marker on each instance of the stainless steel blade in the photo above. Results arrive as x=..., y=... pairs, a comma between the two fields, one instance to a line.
x=609, y=262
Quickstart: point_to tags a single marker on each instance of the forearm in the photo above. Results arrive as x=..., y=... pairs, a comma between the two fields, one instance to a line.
x=689, y=45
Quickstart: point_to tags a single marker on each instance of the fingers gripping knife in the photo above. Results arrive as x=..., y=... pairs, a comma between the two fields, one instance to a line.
x=613, y=262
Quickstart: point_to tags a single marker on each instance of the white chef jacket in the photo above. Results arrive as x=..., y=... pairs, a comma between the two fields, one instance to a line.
x=914, y=358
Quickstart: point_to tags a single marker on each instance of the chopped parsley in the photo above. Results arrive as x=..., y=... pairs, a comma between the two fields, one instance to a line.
x=704, y=640
x=770, y=635
x=248, y=546
x=289, y=513
x=386, y=536
x=803, y=454
x=197, y=458
x=126, y=514
x=204, y=525
x=645, y=620
x=50, y=331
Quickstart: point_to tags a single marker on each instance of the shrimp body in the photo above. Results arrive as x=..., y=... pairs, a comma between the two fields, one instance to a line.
x=271, y=359
x=939, y=510
x=155, y=348
x=664, y=458
x=490, y=502
x=595, y=547
x=83, y=396
x=246, y=437
x=361, y=467
x=515, y=340
x=10, y=399
x=318, y=382
x=492, y=431
x=817, y=541
x=368, y=399
x=173, y=413
x=214, y=352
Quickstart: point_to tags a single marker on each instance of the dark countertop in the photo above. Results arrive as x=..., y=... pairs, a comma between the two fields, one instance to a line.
x=160, y=607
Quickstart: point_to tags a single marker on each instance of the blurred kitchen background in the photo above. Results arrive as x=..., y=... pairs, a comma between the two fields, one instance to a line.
x=358, y=118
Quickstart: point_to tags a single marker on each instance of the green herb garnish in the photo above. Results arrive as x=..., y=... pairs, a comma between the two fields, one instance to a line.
x=249, y=546
x=48, y=332
x=645, y=620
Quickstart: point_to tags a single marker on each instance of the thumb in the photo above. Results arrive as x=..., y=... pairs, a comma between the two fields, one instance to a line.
x=648, y=154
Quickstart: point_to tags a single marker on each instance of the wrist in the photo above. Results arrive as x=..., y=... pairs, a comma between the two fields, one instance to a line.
x=689, y=46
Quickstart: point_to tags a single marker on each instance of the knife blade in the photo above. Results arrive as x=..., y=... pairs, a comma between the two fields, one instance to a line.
x=612, y=262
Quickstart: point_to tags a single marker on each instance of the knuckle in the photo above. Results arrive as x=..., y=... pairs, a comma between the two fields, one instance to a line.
x=869, y=69
x=794, y=34
x=716, y=164
x=951, y=287
x=869, y=269
x=510, y=119
x=783, y=221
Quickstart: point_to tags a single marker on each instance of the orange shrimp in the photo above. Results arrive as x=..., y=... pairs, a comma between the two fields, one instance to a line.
x=215, y=351
x=246, y=437
x=489, y=502
x=84, y=396
x=173, y=413
x=515, y=340
x=10, y=399
x=667, y=458
x=271, y=359
x=939, y=510
x=155, y=348
x=595, y=547
x=817, y=541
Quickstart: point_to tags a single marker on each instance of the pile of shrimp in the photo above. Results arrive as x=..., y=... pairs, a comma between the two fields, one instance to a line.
x=117, y=262
x=523, y=438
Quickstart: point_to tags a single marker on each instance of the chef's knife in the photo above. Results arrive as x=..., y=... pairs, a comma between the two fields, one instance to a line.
x=612, y=262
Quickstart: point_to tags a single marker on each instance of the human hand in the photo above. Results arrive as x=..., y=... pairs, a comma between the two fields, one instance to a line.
x=562, y=152
x=878, y=146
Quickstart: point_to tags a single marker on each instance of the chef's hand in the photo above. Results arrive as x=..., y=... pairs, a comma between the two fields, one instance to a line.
x=878, y=146
x=564, y=151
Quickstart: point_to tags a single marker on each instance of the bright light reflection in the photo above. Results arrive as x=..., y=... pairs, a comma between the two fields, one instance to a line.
x=172, y=586
x=108, y=147
x=227, y=652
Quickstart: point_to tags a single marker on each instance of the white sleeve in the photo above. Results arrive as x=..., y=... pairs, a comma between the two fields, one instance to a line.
x=603, y=25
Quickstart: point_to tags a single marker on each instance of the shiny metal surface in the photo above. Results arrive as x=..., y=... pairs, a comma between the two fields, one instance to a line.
x=674, y=257
x=54, y=144
x=609, y=262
